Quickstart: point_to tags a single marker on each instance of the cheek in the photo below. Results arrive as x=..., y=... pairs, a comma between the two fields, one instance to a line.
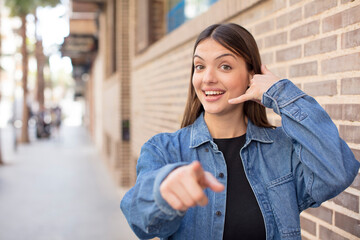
x=245, y=79
x=240, y=83
x=196, y=82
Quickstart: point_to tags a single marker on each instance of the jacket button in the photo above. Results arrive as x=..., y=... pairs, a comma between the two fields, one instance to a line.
x=221, y=175
x=218, y=213
x=206, y=150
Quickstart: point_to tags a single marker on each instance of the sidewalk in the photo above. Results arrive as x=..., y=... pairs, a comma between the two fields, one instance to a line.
x=58, y=189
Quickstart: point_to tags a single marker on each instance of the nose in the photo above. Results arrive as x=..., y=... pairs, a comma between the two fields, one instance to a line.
x=209, y=76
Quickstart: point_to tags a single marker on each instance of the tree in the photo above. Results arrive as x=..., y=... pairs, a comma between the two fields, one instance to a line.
x=21, y=8
x=40, y=82
x=39, y=54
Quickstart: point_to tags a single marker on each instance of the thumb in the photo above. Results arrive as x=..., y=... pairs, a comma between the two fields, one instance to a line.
x=264, y=69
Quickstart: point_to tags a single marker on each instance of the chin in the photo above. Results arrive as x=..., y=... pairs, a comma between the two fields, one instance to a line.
x=214, y=111
x=223, y=111
x=214, y=108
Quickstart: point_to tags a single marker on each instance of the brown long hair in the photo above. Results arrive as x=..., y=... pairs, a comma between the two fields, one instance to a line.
x=239, y=41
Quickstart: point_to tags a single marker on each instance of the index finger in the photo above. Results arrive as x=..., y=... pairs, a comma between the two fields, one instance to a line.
x=211, y=182
x=197, y=169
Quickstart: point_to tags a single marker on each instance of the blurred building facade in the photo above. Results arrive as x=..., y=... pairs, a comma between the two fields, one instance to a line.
x=135, y=63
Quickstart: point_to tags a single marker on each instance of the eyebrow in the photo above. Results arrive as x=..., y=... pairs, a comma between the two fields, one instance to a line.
x=197, y=56
x=221, y=56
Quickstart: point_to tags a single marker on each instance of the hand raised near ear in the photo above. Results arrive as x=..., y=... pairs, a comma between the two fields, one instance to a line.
x=184, y=187
x=258, y=85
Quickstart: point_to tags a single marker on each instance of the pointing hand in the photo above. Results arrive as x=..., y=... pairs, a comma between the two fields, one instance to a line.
x=184, y=187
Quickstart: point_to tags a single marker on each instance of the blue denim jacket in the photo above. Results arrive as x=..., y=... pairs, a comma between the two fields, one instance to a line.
x=290, y=168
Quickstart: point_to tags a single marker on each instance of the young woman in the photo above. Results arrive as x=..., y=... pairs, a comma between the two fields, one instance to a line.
x=227, y=173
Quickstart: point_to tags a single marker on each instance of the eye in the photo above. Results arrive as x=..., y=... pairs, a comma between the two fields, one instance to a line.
x=225, y=67
x=199, y=67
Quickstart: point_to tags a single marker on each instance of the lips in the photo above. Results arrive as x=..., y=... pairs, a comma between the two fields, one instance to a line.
x=212, y=95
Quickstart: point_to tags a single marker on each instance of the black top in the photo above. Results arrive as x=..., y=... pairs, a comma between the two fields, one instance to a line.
x=243, y=218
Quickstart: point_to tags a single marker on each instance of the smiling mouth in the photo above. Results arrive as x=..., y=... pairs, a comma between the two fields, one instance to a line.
x=213, y=93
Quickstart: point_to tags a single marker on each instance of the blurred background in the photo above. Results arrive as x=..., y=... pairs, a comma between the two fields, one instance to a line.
x=84, y=83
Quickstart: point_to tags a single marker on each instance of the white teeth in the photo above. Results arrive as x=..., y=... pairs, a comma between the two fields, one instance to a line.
x=207, y=93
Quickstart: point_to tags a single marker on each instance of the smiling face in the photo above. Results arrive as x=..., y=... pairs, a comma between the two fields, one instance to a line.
x=219, y=75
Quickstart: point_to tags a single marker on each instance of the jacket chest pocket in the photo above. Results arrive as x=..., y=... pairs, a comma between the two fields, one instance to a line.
x=282, y=195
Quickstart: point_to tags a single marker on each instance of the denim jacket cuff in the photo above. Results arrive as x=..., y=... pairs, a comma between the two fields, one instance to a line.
x=281, y=94
x=159, y=200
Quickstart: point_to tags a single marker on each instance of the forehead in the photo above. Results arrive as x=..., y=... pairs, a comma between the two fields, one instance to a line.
x=209, y=48
x=210, y=45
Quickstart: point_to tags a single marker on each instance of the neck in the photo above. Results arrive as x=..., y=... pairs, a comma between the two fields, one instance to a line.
x=226, y=126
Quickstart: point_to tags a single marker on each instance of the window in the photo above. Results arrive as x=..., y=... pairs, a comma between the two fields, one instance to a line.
x=179, y=11
x=111, y=28
x=155, y=18
x=150, y=22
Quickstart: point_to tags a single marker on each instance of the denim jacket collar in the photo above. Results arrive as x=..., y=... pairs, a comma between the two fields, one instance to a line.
x=256, y=133
x=200, y=133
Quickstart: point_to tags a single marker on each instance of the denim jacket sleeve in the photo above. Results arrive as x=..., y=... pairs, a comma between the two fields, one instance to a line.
x=147, y=213
x=325, y=165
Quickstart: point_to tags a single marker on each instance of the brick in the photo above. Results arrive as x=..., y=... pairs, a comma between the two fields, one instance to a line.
x=306, y=30
x=351, y=112
x=304, y=238
x=260, y=43
x=288, y=54
x=273, y=7
x=356, y=182
x=349, y=62
x=348, y=201
x=308, y=225
x=323, y=88
x=289, y=18
x=318, y=6
x=328, y=234
x=356, y=154
x=348, y=224
x=350, y=39
x=276, y=39
x=304, y=69
x=322, y=213
x=342, y=19
x=350, y=86
x=264, y=27
x=323, y=45
x=280, y=71
x=335, y=111
x=350, y=133
x=292, y=2
x=267, y=58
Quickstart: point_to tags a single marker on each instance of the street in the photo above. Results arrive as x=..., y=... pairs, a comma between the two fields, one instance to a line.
x=58, y=189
